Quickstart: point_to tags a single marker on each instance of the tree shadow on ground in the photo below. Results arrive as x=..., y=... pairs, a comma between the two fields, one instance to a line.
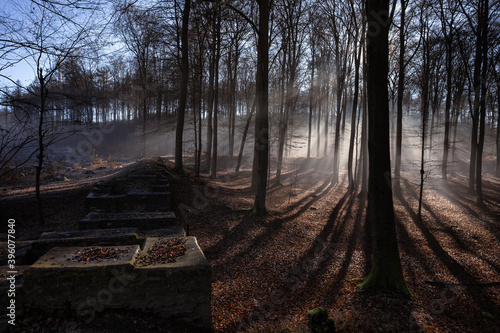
x=456, y=270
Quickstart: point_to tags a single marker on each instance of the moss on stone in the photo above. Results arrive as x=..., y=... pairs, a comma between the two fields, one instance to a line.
x=318, y=321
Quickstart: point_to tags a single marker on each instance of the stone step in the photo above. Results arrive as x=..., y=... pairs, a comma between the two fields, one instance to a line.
x=142, y=221
x=130, y=202
x=30, y=251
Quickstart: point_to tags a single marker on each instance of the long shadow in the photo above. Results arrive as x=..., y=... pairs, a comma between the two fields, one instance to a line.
x=266, y=236
x=274, y=187
x=307, y=201
x=239, y=232
x=334, y=230
x=360, y=234
x=451, y=232
x=460, y=201
x=405, y=242
x=454, y=267
x=320, y=252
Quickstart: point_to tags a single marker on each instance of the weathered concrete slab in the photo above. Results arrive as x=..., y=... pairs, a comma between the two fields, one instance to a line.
x=139, y=220
x=174, y=231
x=101, y=237
x=135, y=193
x=179, y=291
x=55, y=280
x=130, y=202
x=86, y=234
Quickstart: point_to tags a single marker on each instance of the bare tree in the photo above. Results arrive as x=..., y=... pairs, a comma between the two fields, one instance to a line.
x=140, y=31
x=292, y=40
x=261, y=145
x=386, y=271
x=357, y=47
x=49, y=33
x=184, y=84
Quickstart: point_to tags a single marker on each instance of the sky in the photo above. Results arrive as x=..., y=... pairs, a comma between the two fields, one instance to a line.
x=26, y=19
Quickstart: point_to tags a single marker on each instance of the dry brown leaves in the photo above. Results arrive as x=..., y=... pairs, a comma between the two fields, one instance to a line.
x=98, y=254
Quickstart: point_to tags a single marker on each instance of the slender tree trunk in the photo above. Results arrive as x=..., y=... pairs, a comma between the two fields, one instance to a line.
x=336, y=147
x=144, y=116
x=457, y=97
x=213, y=171
x=483, y=87
x=386, y=271
x=449, y=73
x=244, y=137
x=364, y=131
x=200, y=106
x=184, y=84
x=475, y=117
x=210, y=108
x=318, y=124
x=497, y=173
x=41, y=147
x=327, y=114
x=353, y=117
x=232, y=122
x=311, y=101
x=282, y=120
x=425, y=107
x=401, y=89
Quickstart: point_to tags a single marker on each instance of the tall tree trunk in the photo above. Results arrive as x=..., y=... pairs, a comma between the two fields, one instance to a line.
x=475, y=116
x=364, y=131
x=318, y=124
x=350, y=175
x=326, y=107
x=41, y=146
x=184, y=84
x=425, y=105
x=234, y=80
x=336, y=147
x=282, y=114
x=497, y=173
x=483, y=87
x=261, y=147
x=311, y=101
x=401, y=89
x=197, y=168
x=213, y=171
x=447, y=107
x=210, y=108
x=457, y=104
x=144, y=116
x=386, y=271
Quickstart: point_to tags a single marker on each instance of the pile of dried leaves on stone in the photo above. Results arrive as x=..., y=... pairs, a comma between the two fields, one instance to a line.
x=98, y=254
x=164, y=251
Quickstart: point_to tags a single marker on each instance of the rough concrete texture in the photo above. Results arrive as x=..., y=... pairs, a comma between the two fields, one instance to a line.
x=119, y=203
x=136, y=193
x=99, y=237
x=180, y=291
x=142, y=221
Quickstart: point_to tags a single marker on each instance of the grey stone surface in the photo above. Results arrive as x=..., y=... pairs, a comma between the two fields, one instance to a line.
x=133, y=202
x=140, y=220
x=135, y=193
x=96, y=237
x=180, y=291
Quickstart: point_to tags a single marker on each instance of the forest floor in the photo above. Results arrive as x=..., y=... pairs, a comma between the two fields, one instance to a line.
x=268, y=272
